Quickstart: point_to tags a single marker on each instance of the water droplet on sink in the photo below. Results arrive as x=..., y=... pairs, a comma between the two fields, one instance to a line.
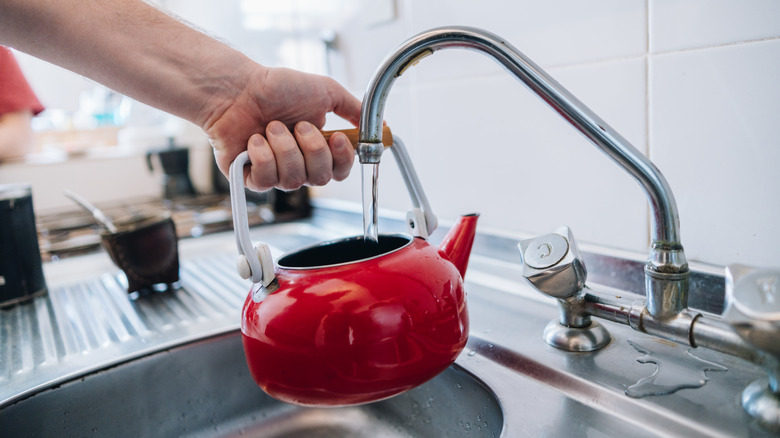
x=472, y=352
x=676, y=368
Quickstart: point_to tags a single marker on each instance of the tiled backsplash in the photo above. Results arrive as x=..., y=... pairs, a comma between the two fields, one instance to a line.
x=691, y=83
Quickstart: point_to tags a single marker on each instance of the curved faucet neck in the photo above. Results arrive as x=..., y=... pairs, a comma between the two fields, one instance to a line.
x=666, y=252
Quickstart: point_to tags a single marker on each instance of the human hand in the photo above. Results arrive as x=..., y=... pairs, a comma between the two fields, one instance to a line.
x=154, y=58
x=277, y=117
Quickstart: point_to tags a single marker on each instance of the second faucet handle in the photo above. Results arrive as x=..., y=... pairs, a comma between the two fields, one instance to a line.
x=753, y=310
x=753, y=306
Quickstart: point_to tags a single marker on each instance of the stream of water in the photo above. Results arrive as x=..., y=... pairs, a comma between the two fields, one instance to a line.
x=370, y=175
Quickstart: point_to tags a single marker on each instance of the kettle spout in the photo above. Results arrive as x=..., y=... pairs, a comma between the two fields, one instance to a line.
x=457, y=243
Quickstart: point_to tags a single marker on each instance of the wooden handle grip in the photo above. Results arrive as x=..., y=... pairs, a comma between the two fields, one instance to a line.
x=352, y=134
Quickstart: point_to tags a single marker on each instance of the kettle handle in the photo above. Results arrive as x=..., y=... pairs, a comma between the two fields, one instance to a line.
x=254, y=262
x=420, y=220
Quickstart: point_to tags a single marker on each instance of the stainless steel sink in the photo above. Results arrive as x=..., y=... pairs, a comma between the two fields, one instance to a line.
x=204, y=389
x=88, y=361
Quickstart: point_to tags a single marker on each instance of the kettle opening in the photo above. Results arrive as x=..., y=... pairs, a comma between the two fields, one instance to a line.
x=343, y=251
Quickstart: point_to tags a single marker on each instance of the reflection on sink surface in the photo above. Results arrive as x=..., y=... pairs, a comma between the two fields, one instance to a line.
x=204, y=389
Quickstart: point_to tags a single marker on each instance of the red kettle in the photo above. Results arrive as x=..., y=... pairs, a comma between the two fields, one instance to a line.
x=348, y=322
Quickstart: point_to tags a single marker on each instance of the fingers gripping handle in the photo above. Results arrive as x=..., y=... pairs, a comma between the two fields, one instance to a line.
x=254, y=262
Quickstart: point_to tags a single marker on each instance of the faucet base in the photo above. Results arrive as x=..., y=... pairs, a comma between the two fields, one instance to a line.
x=763, y=404
x=582, y=339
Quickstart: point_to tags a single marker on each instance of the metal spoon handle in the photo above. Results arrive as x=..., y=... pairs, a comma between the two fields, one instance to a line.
x=96, y=213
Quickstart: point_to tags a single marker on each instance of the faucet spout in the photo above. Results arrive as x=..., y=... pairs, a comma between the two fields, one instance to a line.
x=666, y=271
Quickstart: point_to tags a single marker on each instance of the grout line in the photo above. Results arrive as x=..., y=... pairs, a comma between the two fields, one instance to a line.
x=648, y=83
x=646, y=55
x=715, y=46
x=648, y=117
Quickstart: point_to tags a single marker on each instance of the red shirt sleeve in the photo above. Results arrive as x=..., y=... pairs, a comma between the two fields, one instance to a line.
x=15, y=92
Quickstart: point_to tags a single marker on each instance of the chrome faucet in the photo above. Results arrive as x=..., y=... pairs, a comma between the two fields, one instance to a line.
x=552, y=263
x=667, y=269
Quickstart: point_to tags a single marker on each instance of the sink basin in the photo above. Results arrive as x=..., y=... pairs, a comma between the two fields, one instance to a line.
x=204, y=389
x=88, y=361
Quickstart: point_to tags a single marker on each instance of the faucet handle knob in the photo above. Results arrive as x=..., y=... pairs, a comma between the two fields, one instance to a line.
x=552, y=263
x=753, y=305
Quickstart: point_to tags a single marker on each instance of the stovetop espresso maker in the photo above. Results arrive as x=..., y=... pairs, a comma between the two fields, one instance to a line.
x=175, y=163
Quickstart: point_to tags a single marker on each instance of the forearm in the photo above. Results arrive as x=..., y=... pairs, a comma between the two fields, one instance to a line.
x=132, y=48
x=141, y=52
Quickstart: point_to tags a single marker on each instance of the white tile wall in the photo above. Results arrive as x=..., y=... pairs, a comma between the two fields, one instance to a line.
x=551, y=32
x=691, y=83
x=716, y=134
x=678, y=25
x=495, y=148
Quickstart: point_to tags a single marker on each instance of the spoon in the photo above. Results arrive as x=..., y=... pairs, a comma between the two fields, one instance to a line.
x=101, y=218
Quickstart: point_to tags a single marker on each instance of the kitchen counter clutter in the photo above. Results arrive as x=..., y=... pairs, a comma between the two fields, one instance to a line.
x=100, y=173
x=87, y=359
